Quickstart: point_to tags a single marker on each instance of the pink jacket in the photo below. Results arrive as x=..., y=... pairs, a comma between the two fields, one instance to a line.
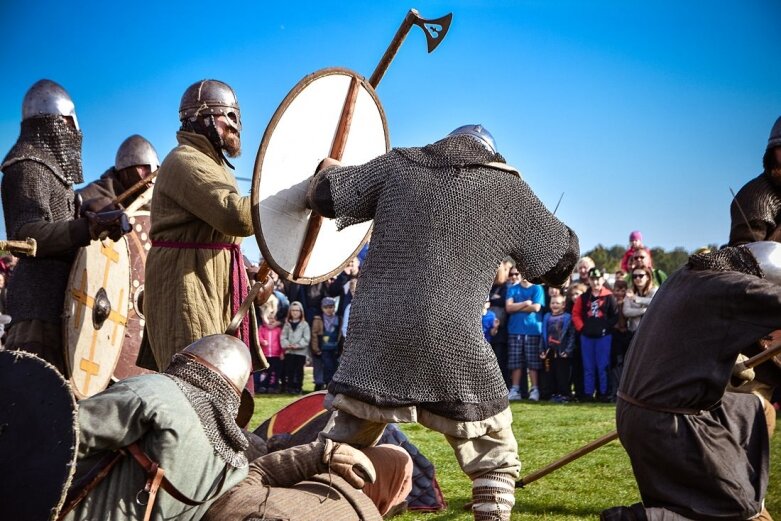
x=269, y=340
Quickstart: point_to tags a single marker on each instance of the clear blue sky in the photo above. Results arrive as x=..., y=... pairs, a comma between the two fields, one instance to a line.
x=643, y=113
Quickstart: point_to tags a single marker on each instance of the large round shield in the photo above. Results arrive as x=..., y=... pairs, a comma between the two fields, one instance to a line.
x=96, y=314
x=299, y=136
x=139, y=245
x=38, y=437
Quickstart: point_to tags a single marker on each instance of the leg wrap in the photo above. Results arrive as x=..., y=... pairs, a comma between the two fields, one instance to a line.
x=493, y=497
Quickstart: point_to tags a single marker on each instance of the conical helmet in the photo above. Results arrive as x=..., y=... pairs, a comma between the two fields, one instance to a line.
x=210, y=97
x=136, y=150
x=46, y=97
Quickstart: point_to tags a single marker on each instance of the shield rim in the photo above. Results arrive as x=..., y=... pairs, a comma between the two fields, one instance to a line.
x=64, y=333
x=66, y=384
x=256, y=172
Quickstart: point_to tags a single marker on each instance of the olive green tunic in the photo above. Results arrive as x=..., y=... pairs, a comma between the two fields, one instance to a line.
x=188, y=291
x=151, y=410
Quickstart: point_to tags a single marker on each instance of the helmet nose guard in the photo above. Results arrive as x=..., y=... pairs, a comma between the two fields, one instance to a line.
x=211, y=97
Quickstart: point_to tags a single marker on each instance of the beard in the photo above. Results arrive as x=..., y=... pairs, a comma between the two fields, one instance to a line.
x=231, y=143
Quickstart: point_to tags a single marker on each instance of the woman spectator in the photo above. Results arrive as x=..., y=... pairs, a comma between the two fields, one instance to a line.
x=582, y=268
x=644, y=289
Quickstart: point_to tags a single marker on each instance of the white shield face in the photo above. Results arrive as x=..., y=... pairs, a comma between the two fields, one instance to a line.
x=95, y=314
x=300, y=135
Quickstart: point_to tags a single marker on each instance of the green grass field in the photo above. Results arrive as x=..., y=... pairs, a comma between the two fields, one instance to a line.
x=545, y=432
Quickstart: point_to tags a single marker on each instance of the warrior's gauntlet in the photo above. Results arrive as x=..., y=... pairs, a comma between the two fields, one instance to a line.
x=112, y=224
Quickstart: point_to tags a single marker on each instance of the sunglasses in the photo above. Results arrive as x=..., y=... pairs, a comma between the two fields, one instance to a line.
x=638, y=275
x=641, y=257
x=515, y=274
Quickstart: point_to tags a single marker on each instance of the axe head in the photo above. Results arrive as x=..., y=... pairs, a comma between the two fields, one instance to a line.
x=435, y=29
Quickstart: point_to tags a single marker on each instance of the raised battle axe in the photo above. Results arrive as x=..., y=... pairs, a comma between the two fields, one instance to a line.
x=752, y=362
x=435, y=31
x=28, y=246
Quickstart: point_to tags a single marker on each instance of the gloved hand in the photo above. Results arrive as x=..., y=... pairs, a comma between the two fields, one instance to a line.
x=349, y=463
x=740, y=374
x=112, y=224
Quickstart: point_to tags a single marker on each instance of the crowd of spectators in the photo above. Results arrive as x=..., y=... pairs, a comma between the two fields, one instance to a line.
x=568, y=344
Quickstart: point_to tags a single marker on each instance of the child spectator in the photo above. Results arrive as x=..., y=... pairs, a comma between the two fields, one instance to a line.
x=490, y=322
x=326, y=336
x=575, y=291
x=621, y=337
x=524, y=301
x=594, y=315
x=270, y=334
x=558, y=345
x=295, y=339
x=635, y=245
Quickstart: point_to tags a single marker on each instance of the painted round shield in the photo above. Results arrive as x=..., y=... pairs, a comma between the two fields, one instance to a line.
x=38, y=437
x=139, y=245
x=96, y=314
x=302, y=133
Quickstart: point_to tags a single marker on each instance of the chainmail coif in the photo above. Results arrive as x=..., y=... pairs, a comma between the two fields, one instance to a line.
x=216, y=404
x=49, y=140
x=727, y=259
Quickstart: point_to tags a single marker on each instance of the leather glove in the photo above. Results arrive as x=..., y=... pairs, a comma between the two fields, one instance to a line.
x=740, y=374
x=349, y=463
x=112, y=224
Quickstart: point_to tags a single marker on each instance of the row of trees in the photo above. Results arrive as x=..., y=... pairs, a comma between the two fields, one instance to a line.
x=609, y=259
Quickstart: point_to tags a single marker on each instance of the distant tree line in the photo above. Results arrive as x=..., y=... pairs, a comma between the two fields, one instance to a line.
x=609, y=259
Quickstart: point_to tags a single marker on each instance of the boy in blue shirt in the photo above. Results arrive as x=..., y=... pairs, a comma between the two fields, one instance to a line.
x=524, y=328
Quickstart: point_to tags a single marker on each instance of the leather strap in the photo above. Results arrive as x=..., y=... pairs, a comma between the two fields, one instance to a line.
x=657, y=408
x=100, y=476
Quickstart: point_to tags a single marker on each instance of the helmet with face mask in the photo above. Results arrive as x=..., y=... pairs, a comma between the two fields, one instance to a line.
x=47, y=98
x=210, y=98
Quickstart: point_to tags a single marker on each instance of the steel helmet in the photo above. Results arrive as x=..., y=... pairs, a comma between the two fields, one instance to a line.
x=46, y=97
x=210, y=97
x=478, y=132
x=136, y=150
x=226, y=355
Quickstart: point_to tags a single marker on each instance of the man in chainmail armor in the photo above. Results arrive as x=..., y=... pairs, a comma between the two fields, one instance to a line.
x=445, y=215
x=38, y=202
x=136, y=159
x=184, y=420
x=755, y=212
x=195, y=279
x=699, y=452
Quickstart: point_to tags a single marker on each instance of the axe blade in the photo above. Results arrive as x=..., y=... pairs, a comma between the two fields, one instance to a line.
x=435, y=30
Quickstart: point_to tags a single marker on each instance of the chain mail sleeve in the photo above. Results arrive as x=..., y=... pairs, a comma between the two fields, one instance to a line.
x=355, y=190
x=546, y=249
x=37, y=205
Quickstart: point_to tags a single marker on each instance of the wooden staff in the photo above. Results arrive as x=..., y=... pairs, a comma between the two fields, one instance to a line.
x=752, y=362
x=143, y=183
x=28, y=247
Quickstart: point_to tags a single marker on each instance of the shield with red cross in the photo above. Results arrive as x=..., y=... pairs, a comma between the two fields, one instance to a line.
x=96, y=314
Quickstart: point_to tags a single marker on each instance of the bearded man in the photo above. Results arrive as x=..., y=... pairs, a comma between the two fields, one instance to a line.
x=195, y=278
x=699, y=452
x=136, y=159
x=39, y=202
x=755, y=212
x=445, y=215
